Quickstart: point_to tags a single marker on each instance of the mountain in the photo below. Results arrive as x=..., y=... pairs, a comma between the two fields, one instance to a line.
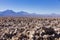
x=7, y=13
x=22, y=13
x=12, y=13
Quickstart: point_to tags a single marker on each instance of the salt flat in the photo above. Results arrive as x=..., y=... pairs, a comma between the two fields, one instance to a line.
x=29, y=28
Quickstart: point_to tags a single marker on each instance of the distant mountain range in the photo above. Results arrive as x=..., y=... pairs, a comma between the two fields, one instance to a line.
x=22, y=13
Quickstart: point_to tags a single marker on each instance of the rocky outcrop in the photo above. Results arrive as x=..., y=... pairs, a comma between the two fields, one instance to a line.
x=24, y=28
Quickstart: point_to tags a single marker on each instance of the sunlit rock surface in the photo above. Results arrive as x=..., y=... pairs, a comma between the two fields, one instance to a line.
x=29, y=28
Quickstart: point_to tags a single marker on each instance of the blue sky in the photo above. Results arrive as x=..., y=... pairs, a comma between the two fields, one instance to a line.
x=31, y=6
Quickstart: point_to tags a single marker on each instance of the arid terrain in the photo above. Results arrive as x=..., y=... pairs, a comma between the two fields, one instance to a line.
x=28, y=28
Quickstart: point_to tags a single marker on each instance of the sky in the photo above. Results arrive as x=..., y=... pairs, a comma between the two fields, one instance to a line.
x=31, y=6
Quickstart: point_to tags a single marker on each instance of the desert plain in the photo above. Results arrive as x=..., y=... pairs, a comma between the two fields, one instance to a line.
x=29, y=28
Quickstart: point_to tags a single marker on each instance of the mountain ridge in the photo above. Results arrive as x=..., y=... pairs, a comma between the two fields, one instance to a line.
x=22, y=13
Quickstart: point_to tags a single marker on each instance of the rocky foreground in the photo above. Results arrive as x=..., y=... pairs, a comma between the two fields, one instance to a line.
x=24, y=28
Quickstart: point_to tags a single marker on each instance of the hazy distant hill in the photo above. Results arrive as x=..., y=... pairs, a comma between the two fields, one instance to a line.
x=22, y=13
x=12, y=13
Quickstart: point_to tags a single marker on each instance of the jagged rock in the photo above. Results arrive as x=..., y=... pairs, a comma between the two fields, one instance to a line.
x=24, y=28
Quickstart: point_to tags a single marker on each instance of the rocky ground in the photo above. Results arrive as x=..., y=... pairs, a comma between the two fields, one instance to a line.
x=24, y=28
